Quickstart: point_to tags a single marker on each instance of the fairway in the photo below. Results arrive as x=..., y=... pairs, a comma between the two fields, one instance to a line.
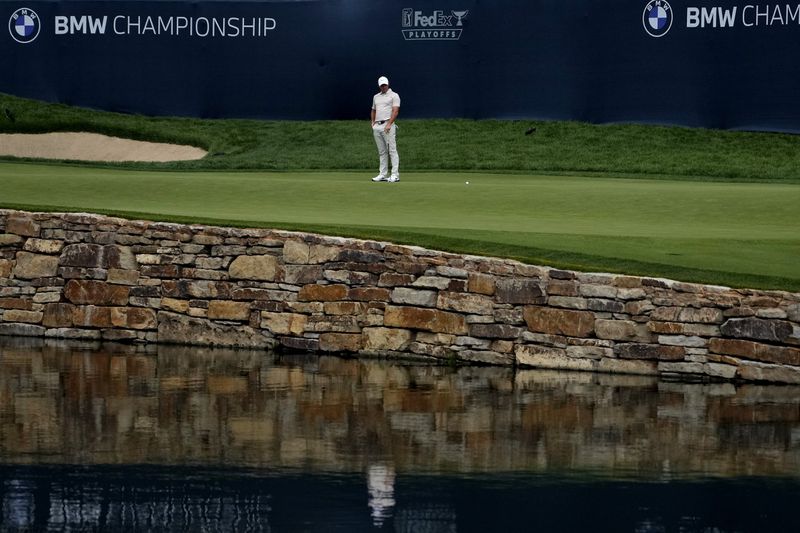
x=738, y=234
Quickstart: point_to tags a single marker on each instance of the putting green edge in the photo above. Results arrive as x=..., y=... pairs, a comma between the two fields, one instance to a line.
x=529, y=255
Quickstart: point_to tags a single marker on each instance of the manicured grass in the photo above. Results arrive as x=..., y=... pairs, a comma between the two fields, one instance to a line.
x=633, y=151
x=739, y=234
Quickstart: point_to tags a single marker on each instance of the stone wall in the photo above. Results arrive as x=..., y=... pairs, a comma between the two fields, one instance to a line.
x=101, y=278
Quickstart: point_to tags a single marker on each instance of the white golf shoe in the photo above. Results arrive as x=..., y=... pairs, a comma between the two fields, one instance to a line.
x=393, y=179
x=380, y=178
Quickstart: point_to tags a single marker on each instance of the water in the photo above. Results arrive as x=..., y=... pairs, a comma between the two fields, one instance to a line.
x=185, y=439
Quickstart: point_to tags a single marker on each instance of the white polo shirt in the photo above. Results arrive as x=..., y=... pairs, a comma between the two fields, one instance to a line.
x=383, y=104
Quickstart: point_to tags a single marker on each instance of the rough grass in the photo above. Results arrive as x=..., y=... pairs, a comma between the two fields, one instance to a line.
x=628, y=150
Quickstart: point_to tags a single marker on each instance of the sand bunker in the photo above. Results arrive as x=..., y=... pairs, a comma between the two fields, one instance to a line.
x=92, y=147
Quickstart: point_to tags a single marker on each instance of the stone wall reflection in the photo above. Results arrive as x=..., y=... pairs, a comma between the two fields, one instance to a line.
x=87, y=504
x=177, y=405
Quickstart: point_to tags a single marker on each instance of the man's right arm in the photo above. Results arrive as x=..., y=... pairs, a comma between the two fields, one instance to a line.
x=372, y=116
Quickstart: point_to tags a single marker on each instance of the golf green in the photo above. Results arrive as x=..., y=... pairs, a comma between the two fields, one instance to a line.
x=740, y=234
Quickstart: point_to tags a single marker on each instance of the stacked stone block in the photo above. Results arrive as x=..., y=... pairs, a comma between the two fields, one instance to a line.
x=101, y=278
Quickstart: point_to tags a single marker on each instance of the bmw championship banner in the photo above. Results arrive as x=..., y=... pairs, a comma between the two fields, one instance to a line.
x=720, y=64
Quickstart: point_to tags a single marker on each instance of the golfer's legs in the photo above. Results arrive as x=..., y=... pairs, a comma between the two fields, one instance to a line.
x=391, y=142
x=383, y=149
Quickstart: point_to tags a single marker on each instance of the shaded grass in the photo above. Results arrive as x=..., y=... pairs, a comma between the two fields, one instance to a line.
x=742, y=235
x=626, y=150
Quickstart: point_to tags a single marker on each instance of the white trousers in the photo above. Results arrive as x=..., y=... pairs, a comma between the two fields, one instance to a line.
x=387, y=149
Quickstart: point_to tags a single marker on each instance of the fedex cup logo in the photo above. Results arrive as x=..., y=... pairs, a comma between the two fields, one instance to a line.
x=657, y=18
x=435, y=25
x=24, y=25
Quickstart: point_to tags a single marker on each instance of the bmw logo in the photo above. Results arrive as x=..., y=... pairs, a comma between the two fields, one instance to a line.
x=657, y=18
x=24, y=25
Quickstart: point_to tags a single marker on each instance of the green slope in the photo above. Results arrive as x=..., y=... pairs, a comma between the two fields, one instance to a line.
x=447, y=145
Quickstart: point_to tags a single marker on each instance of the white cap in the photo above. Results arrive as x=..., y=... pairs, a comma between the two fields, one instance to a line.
x=383, y=80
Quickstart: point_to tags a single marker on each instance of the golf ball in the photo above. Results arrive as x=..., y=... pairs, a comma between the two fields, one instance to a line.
x=466, y=182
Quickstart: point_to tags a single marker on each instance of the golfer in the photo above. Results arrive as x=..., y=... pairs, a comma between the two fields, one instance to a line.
x=385, y=107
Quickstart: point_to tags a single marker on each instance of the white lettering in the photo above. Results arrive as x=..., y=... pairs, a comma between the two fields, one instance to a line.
x=692, y=17
x=149, y=26
x=132, y=24
x=83, y=24
x=77, y=24
x=62, y=25
x=727, y=17
x=422, y=20
x=745, y=20
x=97, y=25
x=218, y=27
x=164, y=27
x=777, y=15
x=251, y=27
x=764, y=15
x=715, y=17
x=431, y=34
x=181, y=23
x=708, y=17
x=793, y=16
x=207, y=28
x=233, y=26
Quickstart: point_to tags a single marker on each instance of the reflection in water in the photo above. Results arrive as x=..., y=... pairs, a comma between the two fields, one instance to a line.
x=380, y=483
x=240, y=437
x=159, y=498
x=219, y=407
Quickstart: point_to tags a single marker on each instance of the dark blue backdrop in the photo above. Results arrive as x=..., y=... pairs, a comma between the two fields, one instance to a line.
x=546, y=59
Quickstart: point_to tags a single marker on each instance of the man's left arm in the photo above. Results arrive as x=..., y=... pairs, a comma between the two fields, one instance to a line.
x=395, y=112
